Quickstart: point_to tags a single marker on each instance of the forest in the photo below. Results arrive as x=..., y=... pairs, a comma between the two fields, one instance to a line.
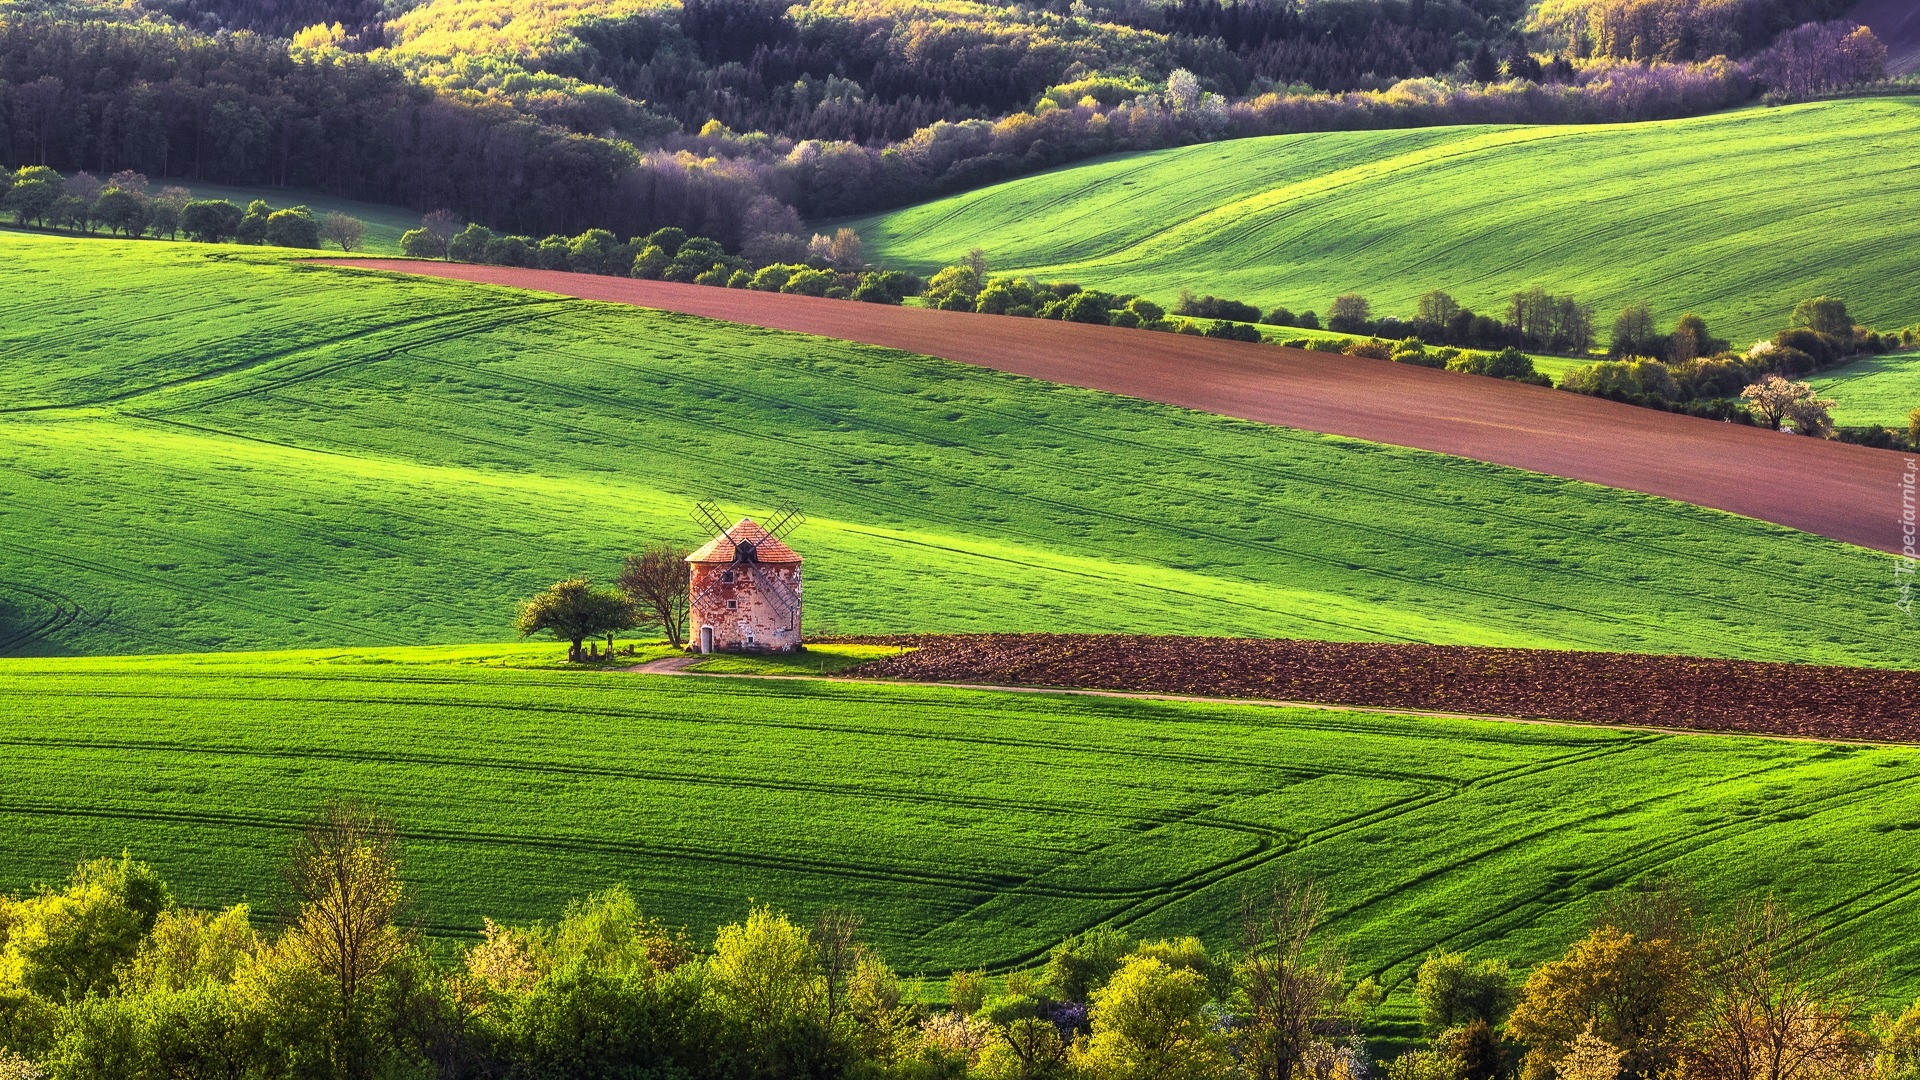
x=734, y=118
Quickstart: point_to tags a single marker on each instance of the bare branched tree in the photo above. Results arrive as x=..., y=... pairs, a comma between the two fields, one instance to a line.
x=836, y=939
x=656, y=582
x=343, y=230
x=1292, y=978
x=345, y=871
x=1781, y=1004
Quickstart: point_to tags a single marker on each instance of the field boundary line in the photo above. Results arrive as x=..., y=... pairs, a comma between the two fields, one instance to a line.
x=1275, y=703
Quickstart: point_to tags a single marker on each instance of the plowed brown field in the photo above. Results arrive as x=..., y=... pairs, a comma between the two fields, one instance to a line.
x=1845, y=492
x=1605, y=688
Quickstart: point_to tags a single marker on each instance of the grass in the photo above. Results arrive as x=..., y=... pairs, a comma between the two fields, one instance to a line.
x=1876, y=390
x=971, y=828
x=216, y=448
x=813, y=660
x=1736, y=216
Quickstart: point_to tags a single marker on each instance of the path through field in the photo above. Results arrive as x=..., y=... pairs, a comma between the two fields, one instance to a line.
x=1849, y=493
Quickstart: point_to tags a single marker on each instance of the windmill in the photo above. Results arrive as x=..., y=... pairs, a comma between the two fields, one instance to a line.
x=744, y=584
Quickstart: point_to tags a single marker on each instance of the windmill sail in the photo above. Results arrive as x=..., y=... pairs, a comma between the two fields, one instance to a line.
x=776, y=592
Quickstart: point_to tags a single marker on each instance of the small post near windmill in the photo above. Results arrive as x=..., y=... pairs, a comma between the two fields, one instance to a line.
x=744, y=584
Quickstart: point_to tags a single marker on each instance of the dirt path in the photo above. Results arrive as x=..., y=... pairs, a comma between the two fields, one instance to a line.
x=666, y=665
x=1845, y=492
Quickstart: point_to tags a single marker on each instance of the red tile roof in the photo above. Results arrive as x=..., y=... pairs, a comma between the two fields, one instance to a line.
x=766, y=548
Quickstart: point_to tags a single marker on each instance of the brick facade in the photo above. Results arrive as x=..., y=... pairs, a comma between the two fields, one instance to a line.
x=745, y=590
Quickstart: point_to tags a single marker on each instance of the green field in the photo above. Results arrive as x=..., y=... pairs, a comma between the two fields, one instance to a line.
x=1735, y=216
x=210, y=448
x=1876, y=390
x=969, y=827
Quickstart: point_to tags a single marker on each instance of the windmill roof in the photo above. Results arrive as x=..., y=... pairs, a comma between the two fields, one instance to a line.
x=766, y=548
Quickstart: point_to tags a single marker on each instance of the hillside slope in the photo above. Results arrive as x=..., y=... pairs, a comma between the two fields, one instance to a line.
x=1735, y=468
x=1736, y=216
x=218, y=448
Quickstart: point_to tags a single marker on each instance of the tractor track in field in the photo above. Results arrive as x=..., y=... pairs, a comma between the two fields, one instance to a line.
x=1727, y=467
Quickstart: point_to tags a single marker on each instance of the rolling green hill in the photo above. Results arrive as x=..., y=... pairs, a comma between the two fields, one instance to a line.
x=1875, y=390
x=219, y=448
x=968, y=827
x=1735, y=216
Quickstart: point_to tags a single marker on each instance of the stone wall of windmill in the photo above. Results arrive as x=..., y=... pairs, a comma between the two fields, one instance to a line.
x=744, y=588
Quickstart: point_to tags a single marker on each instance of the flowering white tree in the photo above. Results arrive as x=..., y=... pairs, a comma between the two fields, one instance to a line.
x=1774, y=399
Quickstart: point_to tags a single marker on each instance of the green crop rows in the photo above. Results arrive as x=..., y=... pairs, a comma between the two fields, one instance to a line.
x=219, y=449
x=969, y=827
x=1735, y=216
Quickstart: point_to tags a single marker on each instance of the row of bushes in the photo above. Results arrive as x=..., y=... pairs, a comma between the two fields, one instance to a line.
x=1508, y=363
x=833, y=268
x=1820, y=333
x=120, y=204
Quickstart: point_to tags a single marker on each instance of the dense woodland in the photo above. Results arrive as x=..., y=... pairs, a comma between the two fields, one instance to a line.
x=735, y=118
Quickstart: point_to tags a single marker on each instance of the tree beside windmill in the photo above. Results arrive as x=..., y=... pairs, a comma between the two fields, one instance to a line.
x=744, y=586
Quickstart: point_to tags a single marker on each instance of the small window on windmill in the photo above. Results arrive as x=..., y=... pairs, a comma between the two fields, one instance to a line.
x=726, y=577
x=732, y=604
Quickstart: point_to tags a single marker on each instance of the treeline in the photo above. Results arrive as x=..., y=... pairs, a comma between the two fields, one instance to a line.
x=1688, y=370
x=1677, y=30
x=83, y=203
x=853, y=75
x=543, y=153
x=241, y=109
x=829, y=266
x=107, y=977
x=1685, y=369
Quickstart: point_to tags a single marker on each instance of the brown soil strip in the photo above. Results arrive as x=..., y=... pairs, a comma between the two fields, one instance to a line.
x=1855, y=704
x=1849, y=493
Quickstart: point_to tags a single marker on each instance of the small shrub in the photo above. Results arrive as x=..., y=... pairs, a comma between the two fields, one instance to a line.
x=810, y=282
x=966, y=991
x=1372, y=349
x=651, y=263
x=293, y=227
x=1214, y=307
x=1233, y=331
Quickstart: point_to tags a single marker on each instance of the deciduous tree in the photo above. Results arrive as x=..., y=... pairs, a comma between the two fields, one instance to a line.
x=1147, y=1025
x=345, y=872
x=1781, y=1004
x=1633, y=982
x=1824, y=315
x=1774, y=399
x=342, y=229
x=1351, y=313
x=1291, y=980
x=573, y=611
x=1454, y=991
x=211, y=221
x=655, y=581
